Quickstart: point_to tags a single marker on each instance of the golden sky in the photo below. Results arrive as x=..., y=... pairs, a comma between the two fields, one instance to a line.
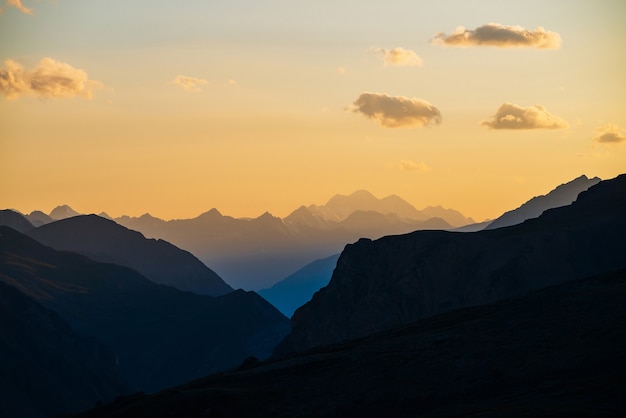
x=174, y=108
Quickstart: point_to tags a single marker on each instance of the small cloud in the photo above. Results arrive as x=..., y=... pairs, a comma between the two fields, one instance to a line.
x=50, y=78
x=397, y=56
x=408, y=165
x=19, y=6
x=495, y=34
x=189, y=83
x=512, y=116
x=341, y=70
x=233, y=83
x=396, y=111
x=609, y=134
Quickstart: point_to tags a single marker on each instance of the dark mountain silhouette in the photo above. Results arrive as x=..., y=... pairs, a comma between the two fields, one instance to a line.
x=478, y=226
x=563, y=195
x=106, y=241
x=553, y=352
x=63, y=212
x=46, y=368
x=162, y=336
x=296, y=289
x=38, y=218
x=253, y=253
x=15, y=220
x=395, y=280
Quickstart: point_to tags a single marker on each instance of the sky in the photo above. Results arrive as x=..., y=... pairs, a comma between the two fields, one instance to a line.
x=174, y=108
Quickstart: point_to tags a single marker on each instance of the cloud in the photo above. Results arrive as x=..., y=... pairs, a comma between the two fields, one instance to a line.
x=189, y=83
x=341, y=70
x=408, y=165
x=512, y=116
x=495, y=34
x=396, y=111
x=609, y=134
x=398, y=56
x=50, y=78
x=19, y=6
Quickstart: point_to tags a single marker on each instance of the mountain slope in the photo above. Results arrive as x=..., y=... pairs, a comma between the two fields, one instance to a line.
x=46, y=368
x=563, y=195
x=554, y=352
x=38, y=218
x=162, y=336
x=106, y=241
x=296, y=289
x=382, y=284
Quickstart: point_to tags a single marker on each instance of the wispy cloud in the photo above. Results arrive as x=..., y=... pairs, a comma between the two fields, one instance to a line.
x=609, y=134
x=19, y=6
x=396, y=111
x=189, y=83
x=409, y=165
x=397, y=56
x=495, y=34
x=50, y=78
x=512, y=116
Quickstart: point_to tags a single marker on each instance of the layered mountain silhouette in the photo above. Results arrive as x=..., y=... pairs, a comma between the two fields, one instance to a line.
x=161, y=336
x=46, y=368
x=296, y=289
x=553, y=352
x=104, y=240
x=563, y=195
x=38, y=218
x=253, y=253
x=382, y=284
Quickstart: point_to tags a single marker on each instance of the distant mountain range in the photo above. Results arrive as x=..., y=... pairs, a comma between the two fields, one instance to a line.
x=254, y=253
x=382, y=284
x=160, y=335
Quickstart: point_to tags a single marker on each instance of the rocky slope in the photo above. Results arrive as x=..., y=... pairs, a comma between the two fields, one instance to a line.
x=382, y=284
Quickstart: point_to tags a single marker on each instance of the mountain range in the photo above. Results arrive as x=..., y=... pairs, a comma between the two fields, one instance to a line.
x=254, y=253
x=161, y=336
x=382, y=284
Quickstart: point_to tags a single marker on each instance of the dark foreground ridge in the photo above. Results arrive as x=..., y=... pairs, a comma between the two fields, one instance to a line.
x=555, y=352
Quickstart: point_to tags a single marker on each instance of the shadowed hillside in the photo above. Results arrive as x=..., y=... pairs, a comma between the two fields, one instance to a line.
x=162, y=336
x=556, y=352
x=45, y=367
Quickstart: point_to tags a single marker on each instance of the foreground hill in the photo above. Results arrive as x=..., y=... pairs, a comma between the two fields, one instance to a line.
x=161, y=336
x=46, y=368
x=554, y=352
x=104, y=240
x=382, y=284
x=563, y=195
